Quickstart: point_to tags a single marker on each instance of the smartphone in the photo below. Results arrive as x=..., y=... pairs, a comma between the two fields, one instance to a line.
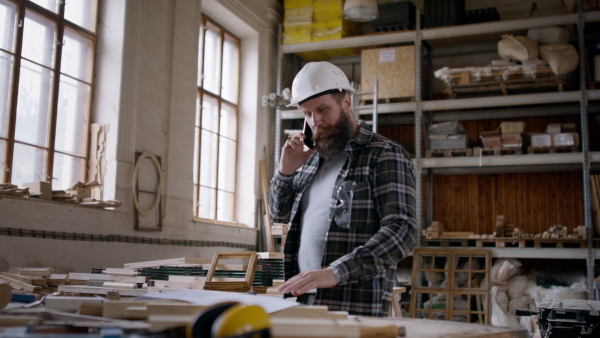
x=309, y=135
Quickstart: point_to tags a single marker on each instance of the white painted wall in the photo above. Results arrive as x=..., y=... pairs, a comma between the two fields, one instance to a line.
x=145, y=91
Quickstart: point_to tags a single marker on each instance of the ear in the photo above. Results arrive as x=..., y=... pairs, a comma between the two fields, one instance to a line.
x=347, y=102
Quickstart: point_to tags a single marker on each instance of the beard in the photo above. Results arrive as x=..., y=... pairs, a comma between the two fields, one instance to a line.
x=337, y=137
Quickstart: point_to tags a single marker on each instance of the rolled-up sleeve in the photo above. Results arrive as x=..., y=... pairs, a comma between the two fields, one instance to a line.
x=281, y=197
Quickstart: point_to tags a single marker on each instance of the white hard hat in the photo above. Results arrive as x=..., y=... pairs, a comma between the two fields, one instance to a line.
x=317, y=78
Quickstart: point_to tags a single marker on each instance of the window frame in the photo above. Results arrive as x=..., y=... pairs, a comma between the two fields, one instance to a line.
x=62, y=24
x=224, y=35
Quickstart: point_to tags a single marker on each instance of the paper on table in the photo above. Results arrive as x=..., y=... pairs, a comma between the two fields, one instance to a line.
x=209, y=298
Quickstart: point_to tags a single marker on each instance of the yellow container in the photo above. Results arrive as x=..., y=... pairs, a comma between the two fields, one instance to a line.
x=297, y=27
x=323, y=5
x=298, y=14
x=291, y=38
x=296, y=3
x=329, y=24
x=329, y=15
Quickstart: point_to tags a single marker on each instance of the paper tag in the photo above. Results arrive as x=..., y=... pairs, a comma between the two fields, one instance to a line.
x=387, y=55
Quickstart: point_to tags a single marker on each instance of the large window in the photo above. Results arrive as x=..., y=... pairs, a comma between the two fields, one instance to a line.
x=216, y=123
x=46, y=65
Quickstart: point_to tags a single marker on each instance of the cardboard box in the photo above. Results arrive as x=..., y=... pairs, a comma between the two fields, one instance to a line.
x=553, y=128
x=491, y=139
x=512, y=127
x=42, y=188
x=566, y=139
x=541, y=140
x=512, y=140
x=437, y=142
x=393, y=68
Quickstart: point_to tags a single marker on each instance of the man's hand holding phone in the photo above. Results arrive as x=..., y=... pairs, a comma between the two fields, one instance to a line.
x=293, y=154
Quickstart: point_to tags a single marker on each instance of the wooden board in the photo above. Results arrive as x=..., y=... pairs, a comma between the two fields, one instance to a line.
x=165, y=262
x=390, y=67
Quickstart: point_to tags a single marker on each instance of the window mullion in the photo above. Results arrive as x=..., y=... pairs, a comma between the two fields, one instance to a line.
x=12, y=115
x=55, y=87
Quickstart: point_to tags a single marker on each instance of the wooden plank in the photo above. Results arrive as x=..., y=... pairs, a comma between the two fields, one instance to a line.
x=69, y=304
x=121, y=272
x=18, y=285
x=39, y=272
x=34, y=280
x=5, y=295
x=265, y=190
x=168, y=262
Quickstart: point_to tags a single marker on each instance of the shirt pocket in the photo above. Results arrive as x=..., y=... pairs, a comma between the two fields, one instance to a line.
x=362, y=207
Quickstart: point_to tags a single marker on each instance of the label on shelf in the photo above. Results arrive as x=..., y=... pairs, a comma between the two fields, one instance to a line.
x=595, y=157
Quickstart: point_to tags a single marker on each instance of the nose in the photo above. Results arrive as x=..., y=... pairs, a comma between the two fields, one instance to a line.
x=317, y=120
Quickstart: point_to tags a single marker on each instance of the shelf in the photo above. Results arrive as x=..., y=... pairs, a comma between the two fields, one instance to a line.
x=542, y=253
x=507, y=163
x=473, y=30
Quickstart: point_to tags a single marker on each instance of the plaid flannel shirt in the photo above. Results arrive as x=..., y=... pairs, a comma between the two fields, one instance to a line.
x=383, y=227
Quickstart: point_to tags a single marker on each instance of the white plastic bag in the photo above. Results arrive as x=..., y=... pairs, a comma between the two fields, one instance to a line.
x=562, y=58
x=517, y=48
x=499, y=316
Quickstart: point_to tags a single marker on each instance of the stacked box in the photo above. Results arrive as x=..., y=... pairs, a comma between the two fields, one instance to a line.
x=297, y=21
x=539, y=140
x=512, y=134
x=328, y=21
x=491, y=139
x=563, y=134
x=448, y=136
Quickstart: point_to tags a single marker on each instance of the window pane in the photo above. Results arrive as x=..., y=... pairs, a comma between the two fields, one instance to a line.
x=77, y=54
x=228, y=126
x=212, y=61
x=6, y=63
x=206, y=206
x=196, y=157
x=227, y=164
x=39, y=39
x=2, y=159
x=208, y=159
x=51, y=5
x=231, y=69
x=33, y=105
x=82, y=13
x=67, y=170
x=225, y=206
x=210, y=114
x=72, y=117
x=8, y=20
x=29, y=164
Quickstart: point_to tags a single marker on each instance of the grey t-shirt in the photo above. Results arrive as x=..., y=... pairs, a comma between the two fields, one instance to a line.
x=315, y=206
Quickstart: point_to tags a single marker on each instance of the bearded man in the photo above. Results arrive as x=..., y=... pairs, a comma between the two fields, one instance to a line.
x=349, y=202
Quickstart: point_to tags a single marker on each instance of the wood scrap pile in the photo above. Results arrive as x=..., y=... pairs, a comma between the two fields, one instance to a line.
x=437, y=231
x=33, y=282
x=13, y=190
x=81, y=193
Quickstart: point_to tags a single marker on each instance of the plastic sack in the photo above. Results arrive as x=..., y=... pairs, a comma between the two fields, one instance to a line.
x=499, y=316
x=562, y=58
x=502, y=271
x=577, y=290
x=517, y=286
x=517, y=48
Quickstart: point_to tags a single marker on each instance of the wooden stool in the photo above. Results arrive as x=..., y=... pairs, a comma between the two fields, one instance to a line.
x=397, y=292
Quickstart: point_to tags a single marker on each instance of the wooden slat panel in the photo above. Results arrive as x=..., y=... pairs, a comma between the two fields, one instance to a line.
x=531, y=201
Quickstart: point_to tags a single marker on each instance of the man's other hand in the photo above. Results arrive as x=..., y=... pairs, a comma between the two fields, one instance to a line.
x=308, y=280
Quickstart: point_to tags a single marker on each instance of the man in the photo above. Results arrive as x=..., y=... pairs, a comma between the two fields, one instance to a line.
x=349, y=202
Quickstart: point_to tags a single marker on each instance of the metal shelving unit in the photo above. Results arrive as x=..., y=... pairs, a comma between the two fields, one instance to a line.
x=412, y=112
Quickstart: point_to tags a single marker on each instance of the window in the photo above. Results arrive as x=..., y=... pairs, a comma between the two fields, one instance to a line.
x=216, y=123
x=46, y=65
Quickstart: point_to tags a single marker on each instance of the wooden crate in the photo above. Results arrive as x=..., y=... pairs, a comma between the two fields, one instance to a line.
x=393, y=68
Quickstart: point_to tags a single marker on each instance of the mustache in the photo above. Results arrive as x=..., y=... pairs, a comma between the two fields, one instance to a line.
x=318, y=132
